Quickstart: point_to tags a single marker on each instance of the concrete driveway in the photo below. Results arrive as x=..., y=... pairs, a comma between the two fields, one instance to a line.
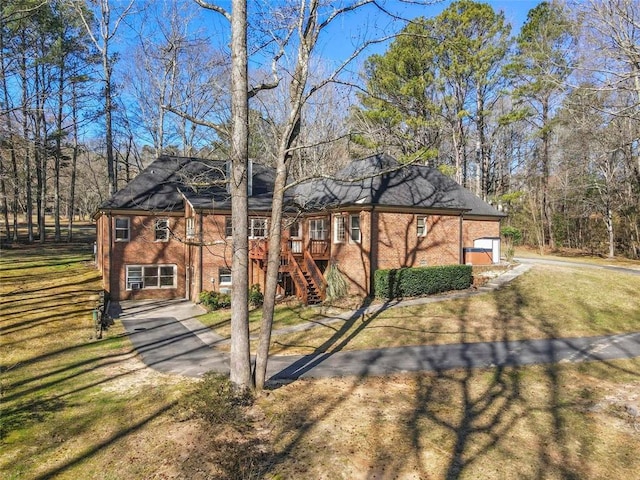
x=169, y=339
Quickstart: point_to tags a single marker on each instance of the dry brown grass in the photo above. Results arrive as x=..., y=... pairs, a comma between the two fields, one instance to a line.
x=74, y=407
x=547, y=302
x=551, y=422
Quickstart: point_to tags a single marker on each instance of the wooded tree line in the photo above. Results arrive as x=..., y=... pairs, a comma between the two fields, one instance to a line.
x=543, y=123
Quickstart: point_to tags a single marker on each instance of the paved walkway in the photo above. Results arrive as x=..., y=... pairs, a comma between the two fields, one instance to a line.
x=169, y=339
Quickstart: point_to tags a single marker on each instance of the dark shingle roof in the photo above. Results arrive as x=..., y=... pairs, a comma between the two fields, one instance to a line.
x=361, y=182
x=161, y=186
x=376, y=180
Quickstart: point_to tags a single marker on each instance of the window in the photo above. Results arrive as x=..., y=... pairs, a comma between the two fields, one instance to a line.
x=167, y=276
x=224, y=276
x=134, y=278
x=191, y=227
x=295, y=236
x=258, y=228
x=162, y=230
x=421, y=221
x=339, y=229
x=317, y=229
x=122, y=229
x=294, y=229
x=354, y=228
x=228, y=227
x=151, y=276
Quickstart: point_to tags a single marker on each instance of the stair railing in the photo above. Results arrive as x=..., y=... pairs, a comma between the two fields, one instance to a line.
x=316, y=276
x=298, y=278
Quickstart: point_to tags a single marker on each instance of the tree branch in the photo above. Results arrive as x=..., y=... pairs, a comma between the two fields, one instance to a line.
x=196, y=120
x=214, y=8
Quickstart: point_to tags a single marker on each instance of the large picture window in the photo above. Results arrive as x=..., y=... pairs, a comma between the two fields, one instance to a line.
x=150, y=276
x=122, y=230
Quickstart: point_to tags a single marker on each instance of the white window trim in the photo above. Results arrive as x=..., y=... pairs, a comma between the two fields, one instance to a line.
x=339, y=221
x=351, y=229
x=227, y=220
x=298, y=233
x=191, y=227
x=324, y=228
x=425, y=226
x=116, y=229
x=266, y=227
x=128, y=282
x=220, y=274
x=157, y=229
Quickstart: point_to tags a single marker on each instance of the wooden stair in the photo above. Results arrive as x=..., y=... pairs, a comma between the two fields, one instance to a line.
x=313, y=295
x=307, y=278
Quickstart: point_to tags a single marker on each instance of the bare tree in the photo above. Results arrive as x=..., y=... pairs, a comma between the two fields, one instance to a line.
x=302, y=27
x=102, y=34
x=240, y=362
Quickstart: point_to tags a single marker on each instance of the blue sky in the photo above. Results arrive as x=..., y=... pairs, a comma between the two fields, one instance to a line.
x=348, y=30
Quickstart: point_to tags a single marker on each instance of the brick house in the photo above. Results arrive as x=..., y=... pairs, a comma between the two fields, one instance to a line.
x=167, y=233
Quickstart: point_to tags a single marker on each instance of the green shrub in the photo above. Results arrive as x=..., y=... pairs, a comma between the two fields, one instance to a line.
x=256, y=298
x=224, y=300
x=512, y=234
x=412, y=282
x=214, y=300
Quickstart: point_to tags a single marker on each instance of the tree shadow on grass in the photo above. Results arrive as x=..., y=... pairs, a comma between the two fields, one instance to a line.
x=499, y=418
x=97, y=447
x=340, y=338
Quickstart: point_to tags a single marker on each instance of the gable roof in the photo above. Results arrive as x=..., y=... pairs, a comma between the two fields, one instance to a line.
x=382, y=180
x=164, y=184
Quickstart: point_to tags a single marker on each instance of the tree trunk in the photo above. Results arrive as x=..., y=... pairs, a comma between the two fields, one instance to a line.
x=74, y=162
x=546, y=206
x=481, y=146
x=5, y=205
x=240, y=361
x=610, y=232
x=13, y=235
x=58, y=154
x=108, y=107
x=27, y=149
x=309, y=35
x=40, y=152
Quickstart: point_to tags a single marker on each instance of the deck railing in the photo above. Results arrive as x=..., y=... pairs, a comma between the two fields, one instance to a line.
x=315, y=274
x=298, y=278
x=318, y=248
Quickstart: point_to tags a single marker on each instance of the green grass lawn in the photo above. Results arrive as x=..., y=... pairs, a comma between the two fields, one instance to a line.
x=74, y=407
